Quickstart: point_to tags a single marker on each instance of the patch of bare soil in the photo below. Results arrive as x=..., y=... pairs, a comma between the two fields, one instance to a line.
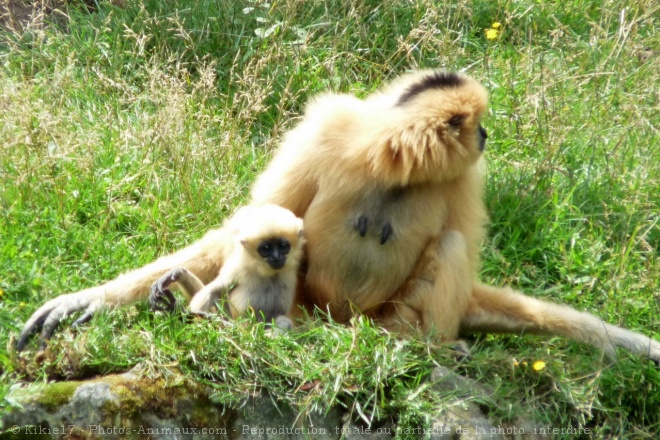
x=17, y=14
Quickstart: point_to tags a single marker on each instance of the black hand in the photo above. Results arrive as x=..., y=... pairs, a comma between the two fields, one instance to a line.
x=362, y=225
x=386, y=233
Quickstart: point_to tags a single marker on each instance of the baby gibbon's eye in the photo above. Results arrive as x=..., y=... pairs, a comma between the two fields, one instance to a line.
x=284, y=246
x=265, y=249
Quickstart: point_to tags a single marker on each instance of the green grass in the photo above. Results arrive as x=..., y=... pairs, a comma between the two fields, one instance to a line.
x=127, y=133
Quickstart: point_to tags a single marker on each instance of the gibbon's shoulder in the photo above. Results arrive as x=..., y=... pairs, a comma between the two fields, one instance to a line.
x=328, y=123
x=326, y=105
x=396, y=134
x=327, y=117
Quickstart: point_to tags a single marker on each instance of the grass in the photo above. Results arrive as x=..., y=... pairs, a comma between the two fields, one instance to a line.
x=128, y=132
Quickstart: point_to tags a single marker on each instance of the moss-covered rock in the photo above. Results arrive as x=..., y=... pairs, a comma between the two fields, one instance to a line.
x=168, y=406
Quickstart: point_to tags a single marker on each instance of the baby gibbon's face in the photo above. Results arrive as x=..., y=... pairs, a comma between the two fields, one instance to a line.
x=270, y=235
x=274, y=251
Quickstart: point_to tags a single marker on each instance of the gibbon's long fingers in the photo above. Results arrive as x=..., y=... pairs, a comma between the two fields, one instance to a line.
x=161, y=299
x=204, y=257
x=71, y=303
x=504, y=310
x=62, y=311
x=34, y=324
x=187, y=281
x=88, y=315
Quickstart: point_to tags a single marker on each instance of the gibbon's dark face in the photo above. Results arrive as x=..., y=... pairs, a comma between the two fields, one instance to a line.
x=482, y=138
x=274, y=251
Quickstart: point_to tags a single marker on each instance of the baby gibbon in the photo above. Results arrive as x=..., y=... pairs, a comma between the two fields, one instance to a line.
x=391, y=196
x=259, y=273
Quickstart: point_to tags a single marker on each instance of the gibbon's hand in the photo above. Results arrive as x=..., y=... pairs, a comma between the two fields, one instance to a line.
x=49, y=316
x=385, y=232
x=161, y=297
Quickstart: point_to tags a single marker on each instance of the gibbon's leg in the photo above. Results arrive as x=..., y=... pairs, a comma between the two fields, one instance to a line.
x=495, y=309
x=205, y=257
x=161, y=297
x=435, y=298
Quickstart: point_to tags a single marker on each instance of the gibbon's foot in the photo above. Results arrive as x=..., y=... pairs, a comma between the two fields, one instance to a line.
x=461, y=350
x=49, y=316
x=161, y=298
x=385, y=233
x=281, y=326
x=283, y=322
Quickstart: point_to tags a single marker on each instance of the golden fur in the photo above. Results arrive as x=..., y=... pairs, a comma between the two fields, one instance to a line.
x=391, y=196
x=401, y=164
x=245, y=277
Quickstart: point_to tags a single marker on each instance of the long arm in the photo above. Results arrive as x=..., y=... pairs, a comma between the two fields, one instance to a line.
x=205, y=257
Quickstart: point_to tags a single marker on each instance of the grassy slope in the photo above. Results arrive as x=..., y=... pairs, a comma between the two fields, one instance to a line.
x=128, y=132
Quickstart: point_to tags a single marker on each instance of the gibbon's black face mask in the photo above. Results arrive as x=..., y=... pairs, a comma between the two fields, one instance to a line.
x=482, y=138
x=274, y=251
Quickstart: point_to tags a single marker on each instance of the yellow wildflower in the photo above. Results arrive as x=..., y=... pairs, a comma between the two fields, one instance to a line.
x=491, y=34
x=496, y=25
x=2, y=292
x=538, y=365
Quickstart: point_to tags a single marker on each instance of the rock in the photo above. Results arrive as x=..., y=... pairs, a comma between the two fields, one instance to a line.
x=131, y=405
x=446, y=381
x=464, y=419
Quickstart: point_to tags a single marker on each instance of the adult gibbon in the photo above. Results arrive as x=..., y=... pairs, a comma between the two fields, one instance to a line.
x=259, y=269
x=391, y=197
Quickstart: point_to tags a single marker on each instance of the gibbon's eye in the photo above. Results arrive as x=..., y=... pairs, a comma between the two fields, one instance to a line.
x=456, y=121
x=265, y=249
x=284, y=246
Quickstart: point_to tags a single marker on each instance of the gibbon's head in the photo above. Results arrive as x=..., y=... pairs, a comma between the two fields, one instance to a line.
x=271, y=235
x=433, y=130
